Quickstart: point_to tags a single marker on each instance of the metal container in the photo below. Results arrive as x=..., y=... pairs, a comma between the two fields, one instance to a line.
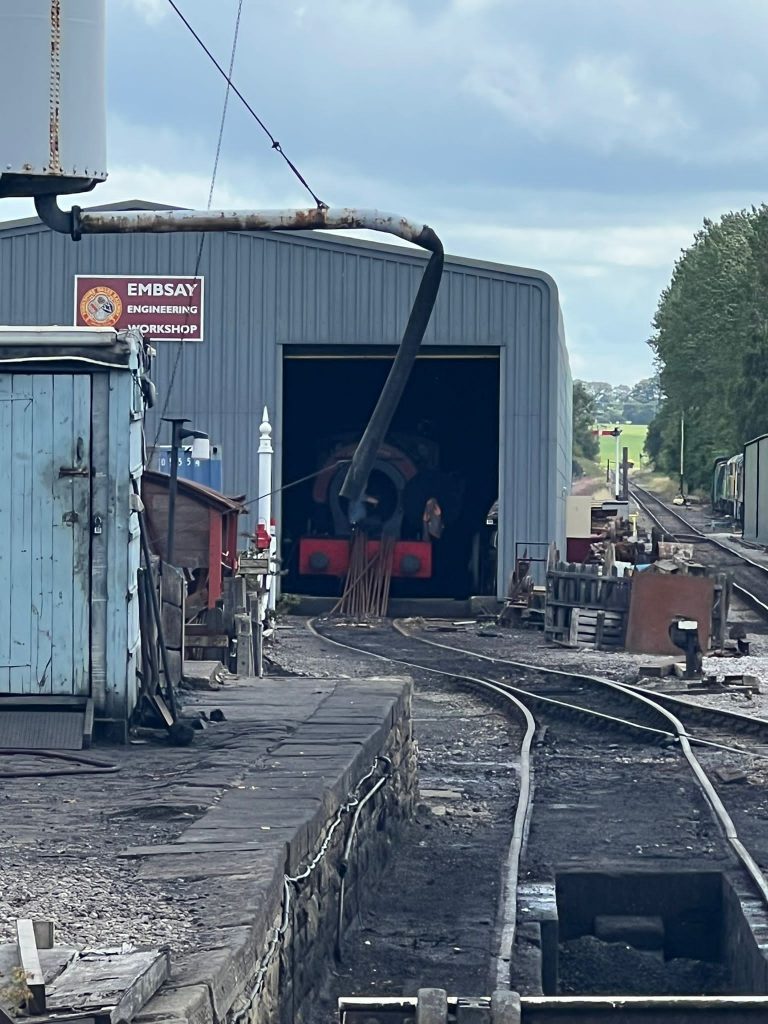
x=53, y=124
x=200, y=471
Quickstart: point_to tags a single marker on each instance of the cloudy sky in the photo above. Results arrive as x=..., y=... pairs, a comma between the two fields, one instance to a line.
x=587, y=138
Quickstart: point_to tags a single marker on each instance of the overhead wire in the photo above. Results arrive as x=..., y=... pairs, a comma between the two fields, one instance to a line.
x=230, y=85
x=201, y=246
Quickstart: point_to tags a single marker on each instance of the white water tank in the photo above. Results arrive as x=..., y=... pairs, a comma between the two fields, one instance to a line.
x=52, y=112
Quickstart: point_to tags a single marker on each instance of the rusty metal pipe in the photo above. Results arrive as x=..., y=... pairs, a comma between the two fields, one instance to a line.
x=77, y=223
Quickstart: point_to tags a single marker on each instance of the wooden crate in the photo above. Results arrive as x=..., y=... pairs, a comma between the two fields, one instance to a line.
x=573, y=587
x=593, y=627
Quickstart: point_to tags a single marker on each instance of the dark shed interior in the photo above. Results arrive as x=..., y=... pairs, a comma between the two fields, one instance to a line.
x=451, y=403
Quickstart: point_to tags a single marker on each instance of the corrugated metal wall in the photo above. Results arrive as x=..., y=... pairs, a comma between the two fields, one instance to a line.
x=267, y=291
x=756, y=490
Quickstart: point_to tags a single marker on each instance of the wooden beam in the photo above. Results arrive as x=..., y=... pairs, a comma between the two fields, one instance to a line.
x=215, y=542
x=29, y=960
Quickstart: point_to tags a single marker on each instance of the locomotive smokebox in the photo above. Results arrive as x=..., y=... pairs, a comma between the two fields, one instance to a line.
x=52, y=117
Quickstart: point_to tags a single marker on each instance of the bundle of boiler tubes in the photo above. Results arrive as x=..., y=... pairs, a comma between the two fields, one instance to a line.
x=366, y=590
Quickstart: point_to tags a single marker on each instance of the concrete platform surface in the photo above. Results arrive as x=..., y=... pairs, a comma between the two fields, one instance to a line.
x=189, y=847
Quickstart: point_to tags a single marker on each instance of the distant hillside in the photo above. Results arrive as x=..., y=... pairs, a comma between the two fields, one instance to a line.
x=624, y=404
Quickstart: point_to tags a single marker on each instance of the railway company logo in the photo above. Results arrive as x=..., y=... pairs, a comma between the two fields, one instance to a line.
x=101, y=307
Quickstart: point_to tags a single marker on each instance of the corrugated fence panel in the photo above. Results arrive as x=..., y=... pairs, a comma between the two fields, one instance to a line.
x=267, y=291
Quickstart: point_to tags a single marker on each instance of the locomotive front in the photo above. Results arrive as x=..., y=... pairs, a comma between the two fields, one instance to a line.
x=405, y=501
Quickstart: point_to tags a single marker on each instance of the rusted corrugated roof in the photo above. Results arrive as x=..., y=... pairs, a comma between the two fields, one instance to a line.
x=206, y=495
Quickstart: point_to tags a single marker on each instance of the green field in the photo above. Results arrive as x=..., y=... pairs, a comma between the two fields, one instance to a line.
x=632, y=437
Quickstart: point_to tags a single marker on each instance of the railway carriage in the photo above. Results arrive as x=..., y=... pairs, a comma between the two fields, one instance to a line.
x=734, y=487
x=719, y=475
x=728, y=486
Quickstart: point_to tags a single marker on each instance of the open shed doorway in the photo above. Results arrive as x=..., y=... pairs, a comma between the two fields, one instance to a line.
x=450, y=408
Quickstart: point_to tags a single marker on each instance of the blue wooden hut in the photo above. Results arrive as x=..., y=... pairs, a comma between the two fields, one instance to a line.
x=71, y=418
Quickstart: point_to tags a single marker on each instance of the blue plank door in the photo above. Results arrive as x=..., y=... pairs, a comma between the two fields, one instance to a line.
x=45, y=531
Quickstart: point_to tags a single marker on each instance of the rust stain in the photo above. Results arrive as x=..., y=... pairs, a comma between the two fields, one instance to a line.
x=54, y=158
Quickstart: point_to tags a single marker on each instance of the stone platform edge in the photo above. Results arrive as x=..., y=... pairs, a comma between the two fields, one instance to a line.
x=255, y=964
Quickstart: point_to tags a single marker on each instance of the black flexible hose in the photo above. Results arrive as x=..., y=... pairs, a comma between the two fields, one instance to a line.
x=365, y=454
x=89, y=765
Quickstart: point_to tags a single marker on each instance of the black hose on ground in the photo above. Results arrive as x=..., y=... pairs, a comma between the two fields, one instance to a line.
x=88, y=765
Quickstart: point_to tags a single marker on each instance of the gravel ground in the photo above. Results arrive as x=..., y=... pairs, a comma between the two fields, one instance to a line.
x=591, y=967
x=59, y=838
x=56, y=865
x=528, y=645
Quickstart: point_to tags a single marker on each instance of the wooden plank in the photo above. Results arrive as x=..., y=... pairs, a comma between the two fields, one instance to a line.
x=101, y=485
x=88, y=723
x=599, y=629
x=81, y=536
x=6, y=462
x=587, y=604
x=172, y=586
x=29, y=960
x=114, y=457
x=175, y=665
x=173, y=624
x=207, y=640
x=214, y=557
x=26, y=700
x=62, y=453
x=211, y=846
x=573, y=632
x=25, y=628
x=117, y=985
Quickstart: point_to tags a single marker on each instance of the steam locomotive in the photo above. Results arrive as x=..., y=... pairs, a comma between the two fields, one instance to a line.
x=408, y=499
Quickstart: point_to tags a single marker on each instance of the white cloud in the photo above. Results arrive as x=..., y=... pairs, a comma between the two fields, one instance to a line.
x=586, y=250
x=152, y=11
x=595, y=101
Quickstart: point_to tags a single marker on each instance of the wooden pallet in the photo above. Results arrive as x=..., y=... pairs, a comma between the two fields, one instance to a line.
x=597, y=628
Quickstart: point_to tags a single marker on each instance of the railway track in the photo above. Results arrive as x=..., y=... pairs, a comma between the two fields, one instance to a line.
x=750, y=578
x=541, y=696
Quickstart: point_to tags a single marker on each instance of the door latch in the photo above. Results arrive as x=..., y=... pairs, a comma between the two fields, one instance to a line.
x=73, y=471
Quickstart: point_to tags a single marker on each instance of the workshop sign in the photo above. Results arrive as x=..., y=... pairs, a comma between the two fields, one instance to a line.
x=162, y=308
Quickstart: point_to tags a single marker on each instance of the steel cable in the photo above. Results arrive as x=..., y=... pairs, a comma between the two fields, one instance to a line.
x=230, y=85
x=200, y=248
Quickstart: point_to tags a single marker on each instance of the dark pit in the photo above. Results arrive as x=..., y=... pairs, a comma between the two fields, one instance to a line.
x=652, y=933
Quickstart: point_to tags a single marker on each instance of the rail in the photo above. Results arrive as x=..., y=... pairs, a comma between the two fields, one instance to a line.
x=724, y=820
x=742, y=591
x=507, y=920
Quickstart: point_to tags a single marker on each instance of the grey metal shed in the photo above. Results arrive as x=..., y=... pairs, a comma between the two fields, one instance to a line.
x=270, y=295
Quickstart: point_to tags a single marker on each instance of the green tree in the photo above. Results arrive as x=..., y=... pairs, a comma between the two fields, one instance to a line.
x=704, y=331
x=585, y=443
